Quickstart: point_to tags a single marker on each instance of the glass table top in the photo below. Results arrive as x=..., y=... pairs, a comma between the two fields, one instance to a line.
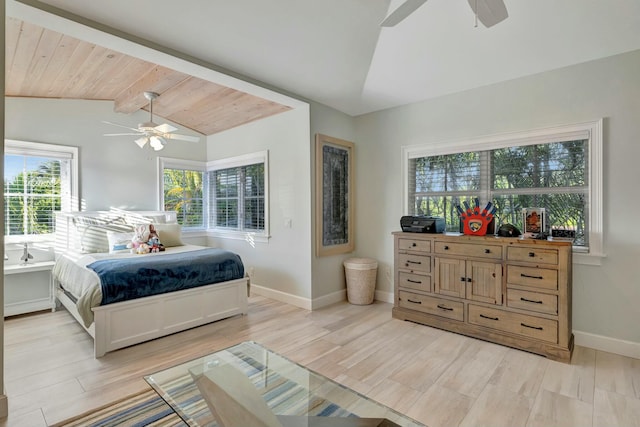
x=248, y=384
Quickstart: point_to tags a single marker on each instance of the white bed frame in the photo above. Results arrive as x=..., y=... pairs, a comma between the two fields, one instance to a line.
x=131, y=322
x=127, y=323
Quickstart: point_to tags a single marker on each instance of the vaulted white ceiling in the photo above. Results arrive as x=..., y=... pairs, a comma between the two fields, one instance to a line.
x=334, y=51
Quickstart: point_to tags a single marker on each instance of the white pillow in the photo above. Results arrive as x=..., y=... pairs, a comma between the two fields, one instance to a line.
x=118, y=241
x=157, y=219
x=169, y=234
x=92, y=232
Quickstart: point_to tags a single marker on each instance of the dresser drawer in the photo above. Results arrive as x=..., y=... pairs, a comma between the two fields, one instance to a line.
x=533, y=301
x=414, y=281
x=412, y=262
x=532, y=254
x=408, y=244
x=469, y=250
x=535, y=277
x=436, y=306
x=520, y=324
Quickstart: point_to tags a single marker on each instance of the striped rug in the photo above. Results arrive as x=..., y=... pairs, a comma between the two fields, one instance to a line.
x=144, y=409
x=148, y=409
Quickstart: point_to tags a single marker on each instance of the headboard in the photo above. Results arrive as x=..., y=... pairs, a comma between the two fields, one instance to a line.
x=86, y=231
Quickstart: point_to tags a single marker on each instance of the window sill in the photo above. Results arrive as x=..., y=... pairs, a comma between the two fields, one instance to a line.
x=588, y=259
x=250, y=237
x=33, y=238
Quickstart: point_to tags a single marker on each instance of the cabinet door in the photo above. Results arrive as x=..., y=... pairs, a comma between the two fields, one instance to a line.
x=450, y=277
x=484, y=282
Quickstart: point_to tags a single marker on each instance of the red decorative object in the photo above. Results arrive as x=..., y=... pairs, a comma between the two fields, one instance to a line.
x=475, y=221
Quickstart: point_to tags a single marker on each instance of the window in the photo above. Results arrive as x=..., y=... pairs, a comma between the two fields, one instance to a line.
x=228, y=197
x=238, y=195
x=557, y=169
x=39, y=180
x=182, y=190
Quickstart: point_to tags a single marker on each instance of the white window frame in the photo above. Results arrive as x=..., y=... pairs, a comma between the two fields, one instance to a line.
x=592, y=131
x=194, y=165
x=239, y=161
x=28, y=148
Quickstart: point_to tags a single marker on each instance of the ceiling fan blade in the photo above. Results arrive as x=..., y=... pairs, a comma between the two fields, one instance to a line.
x=182, y=137
x=404, y=10
x=489, y=12
x=141, y=141
x=122, y=126
x=165, y=128
x=121, y=134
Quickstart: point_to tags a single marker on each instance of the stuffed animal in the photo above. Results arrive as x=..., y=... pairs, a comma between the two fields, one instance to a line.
x=154, y=240
x=152, y=232
x=155, y=245
x=140, y=237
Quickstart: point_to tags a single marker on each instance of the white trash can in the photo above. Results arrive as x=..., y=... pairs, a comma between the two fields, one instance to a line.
x=361, y=280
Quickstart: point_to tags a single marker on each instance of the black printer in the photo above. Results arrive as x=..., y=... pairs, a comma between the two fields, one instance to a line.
x=422, y=224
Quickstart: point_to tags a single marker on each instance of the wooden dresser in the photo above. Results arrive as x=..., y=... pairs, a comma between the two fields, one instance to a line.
x=510, y=291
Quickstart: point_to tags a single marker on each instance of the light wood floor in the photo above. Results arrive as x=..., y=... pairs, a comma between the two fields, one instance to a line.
x=436, y=377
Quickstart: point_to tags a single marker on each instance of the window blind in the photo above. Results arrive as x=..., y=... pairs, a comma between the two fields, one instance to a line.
x=237, y=197
x=439, y=183
x=224, y=187
x=553, y=175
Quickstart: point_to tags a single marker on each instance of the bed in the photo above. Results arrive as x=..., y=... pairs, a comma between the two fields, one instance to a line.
x=122, y=298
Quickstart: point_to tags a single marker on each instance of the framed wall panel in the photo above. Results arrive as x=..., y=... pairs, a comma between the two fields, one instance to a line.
x=334, y=196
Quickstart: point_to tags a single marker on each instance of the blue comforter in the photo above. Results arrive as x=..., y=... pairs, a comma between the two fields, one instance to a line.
x=140, y=276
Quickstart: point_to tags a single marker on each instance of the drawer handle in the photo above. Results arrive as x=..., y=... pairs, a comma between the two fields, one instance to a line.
x=487, y=251
x=414, y=244
x=530, y=300
x=532, y=254
x=419, y=282
x=413, y=262
x=531, y=277
x=488, y=317
x=463, y=279
x=415, y=302
x=539, y=328
x=442, y=307
x=446, y=248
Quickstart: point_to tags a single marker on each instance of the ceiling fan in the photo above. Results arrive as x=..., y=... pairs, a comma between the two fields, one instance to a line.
x=489, y=12
x=155, y=135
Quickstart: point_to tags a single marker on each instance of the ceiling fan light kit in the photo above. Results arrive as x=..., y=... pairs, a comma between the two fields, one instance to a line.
x=152, y=133
x=157, y=143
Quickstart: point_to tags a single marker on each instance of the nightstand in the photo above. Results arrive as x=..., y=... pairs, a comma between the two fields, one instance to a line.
x=28, y=288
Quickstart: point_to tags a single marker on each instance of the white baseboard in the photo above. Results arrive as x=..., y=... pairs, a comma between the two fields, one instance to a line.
x=282, y=296
x=610, y=345
x=332, y=298
x=316, y=303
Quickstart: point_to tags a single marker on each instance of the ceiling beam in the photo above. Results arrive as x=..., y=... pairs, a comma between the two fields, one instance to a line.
x=159, y=79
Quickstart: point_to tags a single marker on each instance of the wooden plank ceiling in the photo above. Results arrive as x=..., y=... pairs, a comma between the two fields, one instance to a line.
x=47, y=64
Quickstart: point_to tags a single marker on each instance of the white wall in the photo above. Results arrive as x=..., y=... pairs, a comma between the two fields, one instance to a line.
x=283, y=264
x=606, y=297
x=114, y=171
